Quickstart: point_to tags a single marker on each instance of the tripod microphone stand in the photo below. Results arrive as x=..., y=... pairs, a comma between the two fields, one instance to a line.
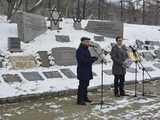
x=137, y=63
x=102, y=85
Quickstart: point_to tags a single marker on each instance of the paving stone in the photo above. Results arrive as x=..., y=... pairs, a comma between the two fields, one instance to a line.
x=32, y=76
x=64, y=56
x=99, y=38
x=62, y=38
x=68, y=73
x=52, y=74
x=10, y=78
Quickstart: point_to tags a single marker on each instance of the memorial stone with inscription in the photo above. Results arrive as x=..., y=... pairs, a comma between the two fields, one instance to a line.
x=52, y=74
x=22, y=62
x=29, y=25
x=44, y=58
x=68, y=73
x=32, y=76
x=105, y=28
x=62, y=38
x=14, y=44
x=64, y=56
x=10, y=78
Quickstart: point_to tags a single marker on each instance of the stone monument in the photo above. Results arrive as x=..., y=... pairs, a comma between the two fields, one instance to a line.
x=29, y=25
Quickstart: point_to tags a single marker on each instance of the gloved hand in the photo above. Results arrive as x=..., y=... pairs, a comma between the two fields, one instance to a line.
x=95, y=58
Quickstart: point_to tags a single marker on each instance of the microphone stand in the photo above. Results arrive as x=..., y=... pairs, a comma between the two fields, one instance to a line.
x=102, y=85
x=138, y=62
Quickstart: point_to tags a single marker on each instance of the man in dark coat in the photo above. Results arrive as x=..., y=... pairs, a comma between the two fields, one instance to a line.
x=119, y=55
x=84, y=70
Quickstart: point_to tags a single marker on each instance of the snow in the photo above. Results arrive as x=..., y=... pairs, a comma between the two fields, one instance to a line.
x=47, y=41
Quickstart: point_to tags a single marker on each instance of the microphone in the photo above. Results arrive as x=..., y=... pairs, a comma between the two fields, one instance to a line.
x=93, y=46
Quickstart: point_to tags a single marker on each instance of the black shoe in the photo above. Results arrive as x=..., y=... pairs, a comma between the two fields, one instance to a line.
x=81, y=103
x=87, y=100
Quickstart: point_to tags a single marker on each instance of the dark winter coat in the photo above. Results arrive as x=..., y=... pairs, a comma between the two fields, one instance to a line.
x=84, y=61
x=118, y=55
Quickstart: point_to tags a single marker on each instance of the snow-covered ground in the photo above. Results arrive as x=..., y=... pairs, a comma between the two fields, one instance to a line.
x=47, y=41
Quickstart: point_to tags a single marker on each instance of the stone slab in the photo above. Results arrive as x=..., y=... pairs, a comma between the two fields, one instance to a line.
x=44, y=58
x=22, y=62
x=99, y=38
x=64, y=56
x=108, y=72
x=29, y=25
x=68, y=73
x=62, y=38
x=105, y=28
x=32, y=76
x=14, y=44
x=10, y=78
x=52, y=74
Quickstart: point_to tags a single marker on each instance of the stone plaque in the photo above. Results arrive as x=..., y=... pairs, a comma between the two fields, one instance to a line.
x=22, y=62
x=108, y=72
x=32, y=76
x=62, y=38
x=105, y=28
x=29, y=25
x=10, y=78
x=68, y=73
x=14, y=44
x=64, y=56
x=77, y=25
x=44, y=58
x=52, y=74
x=99, y=38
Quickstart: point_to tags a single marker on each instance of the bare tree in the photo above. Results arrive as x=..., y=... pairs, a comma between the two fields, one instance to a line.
x=13, y=6
x=84, y=8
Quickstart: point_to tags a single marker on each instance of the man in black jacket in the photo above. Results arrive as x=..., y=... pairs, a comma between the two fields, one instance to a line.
x=119, y=55
x=84, y=70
